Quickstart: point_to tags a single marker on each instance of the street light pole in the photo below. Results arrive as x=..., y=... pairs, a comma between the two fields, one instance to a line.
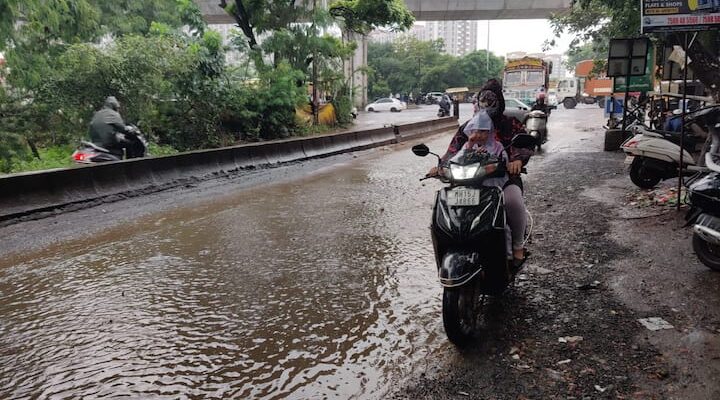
x=487, y=48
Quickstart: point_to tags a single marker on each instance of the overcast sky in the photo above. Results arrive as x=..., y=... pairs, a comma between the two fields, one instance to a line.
x=526, y=35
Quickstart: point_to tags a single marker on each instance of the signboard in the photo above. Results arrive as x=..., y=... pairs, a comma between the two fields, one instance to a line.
x=628, y=57
x=680, y=15
x=642, y=83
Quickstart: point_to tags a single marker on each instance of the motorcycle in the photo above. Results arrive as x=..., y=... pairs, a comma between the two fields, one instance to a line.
x=536, y=126
x=654, y=155
x=443, y=112
x=469, y=238
x=135, y=146
x=704, y=199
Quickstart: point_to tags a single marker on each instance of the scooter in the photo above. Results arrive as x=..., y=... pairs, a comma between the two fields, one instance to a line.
x=443, y=112
x=469, y=238
x=654, y=155
x=536, y=126
x=704, y=197
x=135, y=147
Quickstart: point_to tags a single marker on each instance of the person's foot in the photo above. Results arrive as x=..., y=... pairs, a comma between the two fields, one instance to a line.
x=518, y=254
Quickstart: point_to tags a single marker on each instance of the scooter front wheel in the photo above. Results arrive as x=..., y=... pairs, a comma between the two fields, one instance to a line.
x=707, y=253
x=643, y=177
x=457, y=313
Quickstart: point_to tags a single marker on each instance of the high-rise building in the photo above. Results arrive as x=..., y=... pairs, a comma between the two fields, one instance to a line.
x=460, y=37
x=419, y=32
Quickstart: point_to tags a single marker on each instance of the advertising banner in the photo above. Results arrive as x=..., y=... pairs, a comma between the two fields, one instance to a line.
x=680, y=15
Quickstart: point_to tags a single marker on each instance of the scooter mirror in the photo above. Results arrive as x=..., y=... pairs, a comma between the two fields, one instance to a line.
x=420, y=150
x=524, y=141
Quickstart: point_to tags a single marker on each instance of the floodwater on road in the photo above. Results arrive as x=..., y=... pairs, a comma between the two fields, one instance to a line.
x=324, y=287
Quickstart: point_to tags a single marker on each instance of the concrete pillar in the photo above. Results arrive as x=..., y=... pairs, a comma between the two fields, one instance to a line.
x=354, y=70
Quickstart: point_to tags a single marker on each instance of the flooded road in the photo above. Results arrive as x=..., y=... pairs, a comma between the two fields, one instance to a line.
x=322, y=287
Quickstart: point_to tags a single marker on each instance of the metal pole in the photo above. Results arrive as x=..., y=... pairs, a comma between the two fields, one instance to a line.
x=314, y=72
x=487, y=48
x=682, y=124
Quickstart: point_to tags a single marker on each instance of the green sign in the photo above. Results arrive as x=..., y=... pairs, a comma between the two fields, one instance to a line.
x=637, y=84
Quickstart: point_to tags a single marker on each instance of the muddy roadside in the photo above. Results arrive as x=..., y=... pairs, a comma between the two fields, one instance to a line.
x=569, y=328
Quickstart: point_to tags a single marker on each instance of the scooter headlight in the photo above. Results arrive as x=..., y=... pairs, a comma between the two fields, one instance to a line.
x=461, y=172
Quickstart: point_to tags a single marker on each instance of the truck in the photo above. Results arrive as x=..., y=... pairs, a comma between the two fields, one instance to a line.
x=584, y=87
x=524, y=77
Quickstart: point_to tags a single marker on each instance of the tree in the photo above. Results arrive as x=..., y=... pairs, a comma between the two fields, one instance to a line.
x=586, y=51
x=597, y=21
x=362, y=16
x=413, y=66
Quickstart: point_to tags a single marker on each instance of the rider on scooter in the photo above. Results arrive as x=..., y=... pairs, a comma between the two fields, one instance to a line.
x=107, y=127
x=479, y=133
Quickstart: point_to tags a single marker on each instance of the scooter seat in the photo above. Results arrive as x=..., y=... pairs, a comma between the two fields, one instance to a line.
x=689, y=141
x=96, y=147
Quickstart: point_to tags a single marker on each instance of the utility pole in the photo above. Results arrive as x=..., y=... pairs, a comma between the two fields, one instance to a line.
x=487, y=48
x=314, y=70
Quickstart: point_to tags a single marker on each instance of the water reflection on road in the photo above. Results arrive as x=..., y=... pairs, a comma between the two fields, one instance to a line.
x=323, y=287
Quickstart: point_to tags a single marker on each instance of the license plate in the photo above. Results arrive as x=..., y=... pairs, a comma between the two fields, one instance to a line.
x=464, y=197
x=629, y=160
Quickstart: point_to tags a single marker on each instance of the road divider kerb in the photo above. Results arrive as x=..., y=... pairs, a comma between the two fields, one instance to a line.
x=33, y=195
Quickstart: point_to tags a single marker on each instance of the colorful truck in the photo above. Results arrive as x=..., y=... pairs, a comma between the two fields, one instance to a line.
x=524, y=77
x=585, y=87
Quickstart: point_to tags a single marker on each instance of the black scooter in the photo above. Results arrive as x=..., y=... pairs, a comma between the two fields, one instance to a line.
x=704, y=196
x=135, y=146
x=468, y=235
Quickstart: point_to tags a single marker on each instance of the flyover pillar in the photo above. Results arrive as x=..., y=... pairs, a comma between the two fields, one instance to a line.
x=355, y=69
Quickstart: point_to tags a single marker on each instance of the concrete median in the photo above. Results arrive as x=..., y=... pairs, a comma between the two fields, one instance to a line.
x=36, y=194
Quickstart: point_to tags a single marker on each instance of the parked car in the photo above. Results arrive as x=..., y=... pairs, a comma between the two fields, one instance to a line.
x=516, y=104
x=386, y=104
x=433, y=97
x=516, y=108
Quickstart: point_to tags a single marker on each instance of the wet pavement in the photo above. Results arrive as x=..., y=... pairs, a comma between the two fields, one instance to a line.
x=317, y=280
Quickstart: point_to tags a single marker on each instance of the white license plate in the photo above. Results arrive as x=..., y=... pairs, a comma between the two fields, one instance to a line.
x=464, y=197
x=629, y=160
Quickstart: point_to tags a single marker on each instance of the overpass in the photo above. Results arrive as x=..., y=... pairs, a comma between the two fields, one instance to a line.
x=441, y=10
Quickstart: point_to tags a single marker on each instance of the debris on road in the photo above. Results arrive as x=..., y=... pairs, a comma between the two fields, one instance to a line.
x=570, y=339
x=588, y=286
x=655, y=323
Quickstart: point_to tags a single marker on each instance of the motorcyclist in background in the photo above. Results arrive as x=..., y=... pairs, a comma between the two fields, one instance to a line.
x=445, y=104
x=107, y=128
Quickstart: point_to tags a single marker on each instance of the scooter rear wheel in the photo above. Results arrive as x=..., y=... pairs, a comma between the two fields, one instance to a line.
x=707, y=253
x=457, y=313
x=643, y=177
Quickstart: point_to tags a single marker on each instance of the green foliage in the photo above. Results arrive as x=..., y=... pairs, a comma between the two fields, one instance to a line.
x=414, y=66
x=362, y=16
x=51, y=157
x=586, y=51
x=597, y=21
x=11, y=149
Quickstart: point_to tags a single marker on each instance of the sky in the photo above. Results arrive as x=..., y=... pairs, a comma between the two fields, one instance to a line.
x=526, y=35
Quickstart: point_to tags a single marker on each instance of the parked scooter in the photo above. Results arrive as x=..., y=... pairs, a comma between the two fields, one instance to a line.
x=704, y=196
x=468, y=234
x=135, y=147
x=654, y=155
x=536, y=126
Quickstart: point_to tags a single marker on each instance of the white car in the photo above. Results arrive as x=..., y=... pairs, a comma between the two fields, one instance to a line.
x=515, y=104
x=386, y=104
x=552, y=97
